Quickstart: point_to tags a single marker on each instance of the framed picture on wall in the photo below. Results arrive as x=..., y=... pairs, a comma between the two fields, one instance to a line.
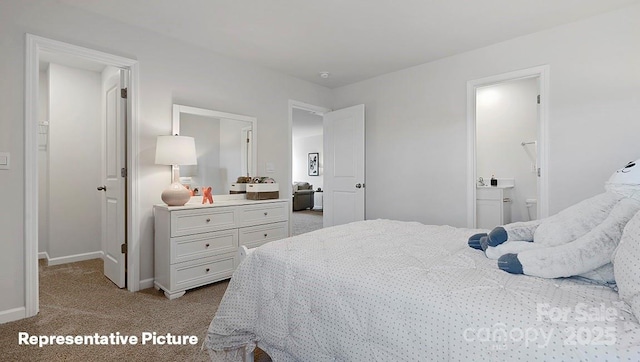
x=314, y=164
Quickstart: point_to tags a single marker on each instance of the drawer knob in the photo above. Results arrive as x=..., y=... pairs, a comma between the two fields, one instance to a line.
x=208, y=220
x=207, y=270
x=206, y=245
x=266, y=213
x=265, y=235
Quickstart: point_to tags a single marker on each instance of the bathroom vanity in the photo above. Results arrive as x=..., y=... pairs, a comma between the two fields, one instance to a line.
x=493, y=206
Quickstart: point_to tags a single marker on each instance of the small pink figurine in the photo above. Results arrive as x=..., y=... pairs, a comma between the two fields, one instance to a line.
x=207, y=196
x=192, y=192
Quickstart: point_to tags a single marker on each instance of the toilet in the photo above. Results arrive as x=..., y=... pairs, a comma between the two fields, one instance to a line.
x=532, y=208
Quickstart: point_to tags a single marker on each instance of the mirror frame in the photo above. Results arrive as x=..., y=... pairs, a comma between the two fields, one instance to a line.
x=175, y=126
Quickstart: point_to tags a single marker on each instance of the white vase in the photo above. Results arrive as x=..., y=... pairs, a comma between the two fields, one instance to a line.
x=176, y=195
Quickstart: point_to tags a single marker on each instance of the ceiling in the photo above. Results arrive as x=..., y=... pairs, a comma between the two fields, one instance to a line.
x=351, y=39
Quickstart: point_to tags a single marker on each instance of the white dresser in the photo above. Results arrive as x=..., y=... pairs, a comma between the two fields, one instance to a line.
x=198, y=244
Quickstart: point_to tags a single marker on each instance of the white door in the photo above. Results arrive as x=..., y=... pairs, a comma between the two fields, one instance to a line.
x=344, y=192
x=114, y=217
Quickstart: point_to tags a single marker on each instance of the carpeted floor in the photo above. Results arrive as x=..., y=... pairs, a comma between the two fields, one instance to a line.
x=76, y=299
x=304, y=221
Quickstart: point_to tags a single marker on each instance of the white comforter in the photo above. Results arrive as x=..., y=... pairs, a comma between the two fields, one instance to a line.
x=397, y=291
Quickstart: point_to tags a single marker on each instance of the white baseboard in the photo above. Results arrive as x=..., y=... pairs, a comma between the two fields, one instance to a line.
x=43, y=255
x=147, y=283
x=75, y=258
x=11, y=315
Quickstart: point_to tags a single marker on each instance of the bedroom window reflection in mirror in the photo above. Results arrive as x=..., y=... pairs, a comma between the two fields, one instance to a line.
x=225, y=146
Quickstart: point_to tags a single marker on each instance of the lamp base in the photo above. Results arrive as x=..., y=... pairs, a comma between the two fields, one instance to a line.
x=176, y=195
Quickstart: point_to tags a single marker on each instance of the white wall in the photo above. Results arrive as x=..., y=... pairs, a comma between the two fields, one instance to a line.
x=170, y=72
x=416, y=118
x=506, y=116
x=301, y=147
x=75, y=140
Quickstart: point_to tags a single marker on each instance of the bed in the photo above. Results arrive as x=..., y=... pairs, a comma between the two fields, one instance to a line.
x=383, y=290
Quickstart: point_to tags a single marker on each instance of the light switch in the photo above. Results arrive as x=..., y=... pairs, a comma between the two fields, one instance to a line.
x=4, y=161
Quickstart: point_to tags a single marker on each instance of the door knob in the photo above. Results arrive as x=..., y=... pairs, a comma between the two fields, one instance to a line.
x=358, y=186
x=102, y=188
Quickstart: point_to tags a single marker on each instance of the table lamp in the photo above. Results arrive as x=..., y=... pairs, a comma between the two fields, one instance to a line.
x=175, y=151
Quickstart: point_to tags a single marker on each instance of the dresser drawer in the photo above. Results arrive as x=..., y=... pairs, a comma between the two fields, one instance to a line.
x=198, y=246
x=202, y=271
x=263, y=213
x=187, y=222
x=255, y=236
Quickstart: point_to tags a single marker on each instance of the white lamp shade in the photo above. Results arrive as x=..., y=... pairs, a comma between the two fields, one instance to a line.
x=176, y=150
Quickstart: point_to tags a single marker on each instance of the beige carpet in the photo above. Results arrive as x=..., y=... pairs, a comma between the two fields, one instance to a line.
x=304, y=221
x=76, y=299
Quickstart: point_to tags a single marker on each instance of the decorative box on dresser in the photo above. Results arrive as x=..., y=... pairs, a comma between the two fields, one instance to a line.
x=198, y=244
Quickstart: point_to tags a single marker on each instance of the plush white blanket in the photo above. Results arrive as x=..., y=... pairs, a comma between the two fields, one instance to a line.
x=398, y=291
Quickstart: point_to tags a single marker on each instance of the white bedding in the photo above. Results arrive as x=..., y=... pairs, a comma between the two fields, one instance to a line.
x=398, y=291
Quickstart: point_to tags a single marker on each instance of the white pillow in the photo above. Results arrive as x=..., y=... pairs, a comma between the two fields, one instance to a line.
x=626, y=265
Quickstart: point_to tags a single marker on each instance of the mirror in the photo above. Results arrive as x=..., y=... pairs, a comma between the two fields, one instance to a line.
x=225, y=146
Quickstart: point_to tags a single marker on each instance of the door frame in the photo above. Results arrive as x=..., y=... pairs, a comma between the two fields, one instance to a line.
x=35, y=45
x=305, y=107
x=542, y=73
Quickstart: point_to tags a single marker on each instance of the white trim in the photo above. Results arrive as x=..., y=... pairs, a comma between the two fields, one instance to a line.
x=542, y=73
x=178, y=108
x=133, y=186
x=146, y=283
x=31, y=177
x=43, y=255
x=471, y=155
x=11, y=315
x=306, y=107
x=34, y=45
x=75, y=258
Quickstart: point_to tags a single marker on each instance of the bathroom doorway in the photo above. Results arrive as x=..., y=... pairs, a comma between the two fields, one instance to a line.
x=507, y=160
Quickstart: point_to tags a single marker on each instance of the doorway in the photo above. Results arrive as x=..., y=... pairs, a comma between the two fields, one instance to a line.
x=69, y=133
x=343, y=166
x=35, y=126
x=307, y=168
x=507, y=117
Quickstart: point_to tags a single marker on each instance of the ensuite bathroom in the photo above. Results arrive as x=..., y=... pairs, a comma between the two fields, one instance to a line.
x=507, y=121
